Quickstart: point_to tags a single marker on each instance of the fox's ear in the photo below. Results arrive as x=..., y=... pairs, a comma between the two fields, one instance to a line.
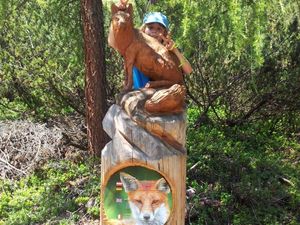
x=162, y=185
x=129, y=182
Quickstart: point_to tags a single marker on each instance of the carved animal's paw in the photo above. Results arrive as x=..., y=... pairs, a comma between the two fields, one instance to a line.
x=166, y=63
x=161, y=61
x=170, y=64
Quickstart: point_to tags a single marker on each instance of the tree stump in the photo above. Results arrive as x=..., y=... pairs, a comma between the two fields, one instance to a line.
x=146, y=155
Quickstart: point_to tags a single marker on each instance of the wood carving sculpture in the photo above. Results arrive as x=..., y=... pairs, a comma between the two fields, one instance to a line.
x=167, y=100
x=145, y=52
x=144, y=165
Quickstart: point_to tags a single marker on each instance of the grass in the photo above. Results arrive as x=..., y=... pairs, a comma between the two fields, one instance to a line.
x=58, y=190
x=241, y=175
x=244, y=175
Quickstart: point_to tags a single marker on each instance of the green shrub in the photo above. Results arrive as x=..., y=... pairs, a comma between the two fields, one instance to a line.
x=53, y=191
x=243, y=175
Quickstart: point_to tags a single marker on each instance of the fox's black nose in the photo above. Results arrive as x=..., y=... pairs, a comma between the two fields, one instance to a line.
x=146, y=217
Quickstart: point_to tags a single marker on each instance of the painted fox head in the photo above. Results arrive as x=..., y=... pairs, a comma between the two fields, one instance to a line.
x=147, y=199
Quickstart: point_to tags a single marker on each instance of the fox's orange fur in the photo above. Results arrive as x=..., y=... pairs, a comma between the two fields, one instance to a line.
x=148, y=200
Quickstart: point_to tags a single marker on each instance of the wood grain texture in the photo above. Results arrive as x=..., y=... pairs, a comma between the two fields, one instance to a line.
x=167, y=100
x=132, y=145
x=167, y=126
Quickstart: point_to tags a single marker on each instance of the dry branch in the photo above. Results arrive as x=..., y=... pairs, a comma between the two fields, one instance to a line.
x=25, y=145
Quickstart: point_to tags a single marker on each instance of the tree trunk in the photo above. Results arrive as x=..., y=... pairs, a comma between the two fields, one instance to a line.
x=94, y=74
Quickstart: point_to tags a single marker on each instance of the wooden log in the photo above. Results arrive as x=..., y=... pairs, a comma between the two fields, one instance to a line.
x=148, y=160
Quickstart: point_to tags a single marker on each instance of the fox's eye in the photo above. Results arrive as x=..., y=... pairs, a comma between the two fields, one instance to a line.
x=155, y=202
x=138, y=202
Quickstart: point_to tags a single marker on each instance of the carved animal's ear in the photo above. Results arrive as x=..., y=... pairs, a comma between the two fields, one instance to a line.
x=114, y=9
x=129, y=182
x=130, y=10
x=162, y=185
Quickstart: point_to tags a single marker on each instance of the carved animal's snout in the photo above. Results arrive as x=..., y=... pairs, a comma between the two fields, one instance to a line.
x=120, y=20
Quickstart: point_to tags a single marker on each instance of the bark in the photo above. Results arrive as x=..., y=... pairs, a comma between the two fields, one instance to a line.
x=92, y=16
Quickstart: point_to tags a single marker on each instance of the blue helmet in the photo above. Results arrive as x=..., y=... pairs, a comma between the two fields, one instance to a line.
x=156, y=17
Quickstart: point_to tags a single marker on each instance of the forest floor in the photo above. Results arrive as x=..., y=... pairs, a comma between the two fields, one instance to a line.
x=244, y=175
x=28, y=151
